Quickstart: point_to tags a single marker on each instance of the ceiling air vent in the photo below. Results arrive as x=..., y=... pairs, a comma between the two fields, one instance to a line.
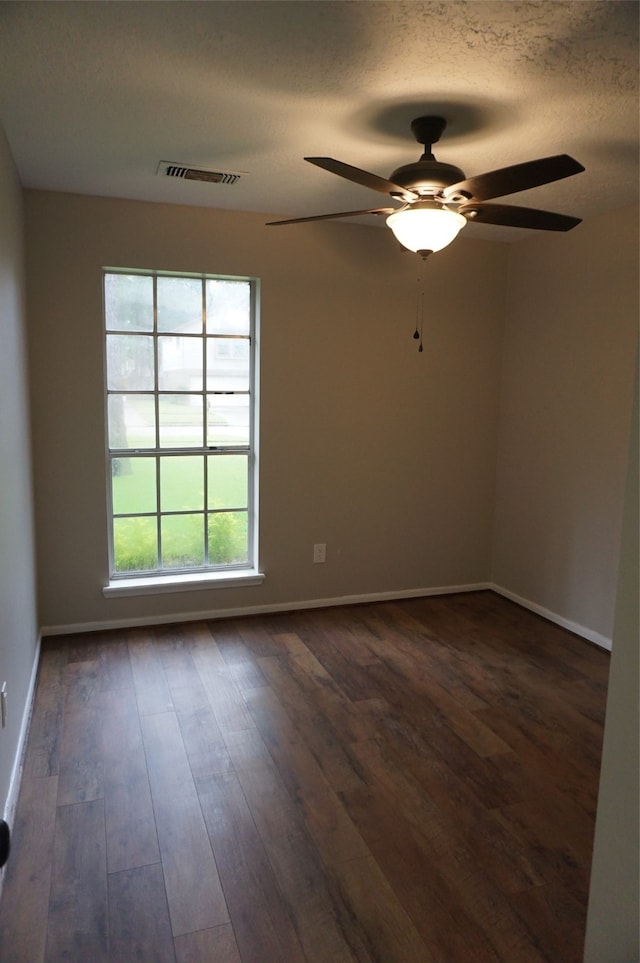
x=184, y=172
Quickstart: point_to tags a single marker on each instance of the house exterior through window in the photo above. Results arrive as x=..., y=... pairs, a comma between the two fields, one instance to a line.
x=180, y=410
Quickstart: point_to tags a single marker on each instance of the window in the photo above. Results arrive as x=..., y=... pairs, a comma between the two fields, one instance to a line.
x=180, y=375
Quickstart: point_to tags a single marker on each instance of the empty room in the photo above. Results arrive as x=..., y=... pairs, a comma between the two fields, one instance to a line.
x=318, y=481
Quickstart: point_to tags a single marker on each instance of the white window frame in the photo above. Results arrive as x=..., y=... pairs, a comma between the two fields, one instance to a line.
x=206, y=575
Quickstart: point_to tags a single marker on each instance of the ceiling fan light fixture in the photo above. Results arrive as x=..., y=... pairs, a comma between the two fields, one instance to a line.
x=425, y=226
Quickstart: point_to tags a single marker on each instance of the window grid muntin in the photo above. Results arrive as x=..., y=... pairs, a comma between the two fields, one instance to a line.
x=206, y=450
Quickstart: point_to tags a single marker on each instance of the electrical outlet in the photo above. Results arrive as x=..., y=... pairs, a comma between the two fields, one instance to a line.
x=320, y=552
x=3, y=704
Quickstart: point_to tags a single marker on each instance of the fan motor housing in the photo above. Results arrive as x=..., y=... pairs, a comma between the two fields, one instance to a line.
x=428, y=176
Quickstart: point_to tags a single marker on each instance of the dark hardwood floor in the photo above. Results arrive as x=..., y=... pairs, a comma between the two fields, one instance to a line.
x=402, y=782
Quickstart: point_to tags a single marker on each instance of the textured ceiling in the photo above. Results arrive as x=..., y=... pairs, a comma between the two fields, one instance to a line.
x=93, y=95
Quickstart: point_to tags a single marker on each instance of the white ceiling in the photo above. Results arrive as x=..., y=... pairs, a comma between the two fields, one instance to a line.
x=94, y=94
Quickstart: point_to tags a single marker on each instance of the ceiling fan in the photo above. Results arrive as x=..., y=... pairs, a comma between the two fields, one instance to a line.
x=438, y=200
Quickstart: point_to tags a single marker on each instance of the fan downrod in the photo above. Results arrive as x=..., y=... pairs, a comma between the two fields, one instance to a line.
x=428, y=130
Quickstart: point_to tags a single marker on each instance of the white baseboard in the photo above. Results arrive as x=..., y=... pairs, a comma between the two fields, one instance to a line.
x=260, y=609
x=16, y=771
x=575, y=627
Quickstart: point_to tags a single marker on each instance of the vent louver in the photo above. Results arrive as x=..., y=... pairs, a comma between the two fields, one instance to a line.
x=184, y=172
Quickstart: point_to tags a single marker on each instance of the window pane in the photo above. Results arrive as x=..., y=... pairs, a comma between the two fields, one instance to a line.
x=128, y=302
x=228, y=364
x=180, y=421
x=132, y=421
x=228, y=307
x=135, y=544
x=228, y=539
x=133, y=485
x=130, y=362
x=180, y=305
x=227, y=481
x=181, y=483
x=182, y=541
x=179, y=364
x=227, y=420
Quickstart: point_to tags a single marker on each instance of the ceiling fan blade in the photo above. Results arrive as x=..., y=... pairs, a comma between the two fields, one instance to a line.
x=359, y=176
x=325, y=217
x=508, y=215
x=519, y=177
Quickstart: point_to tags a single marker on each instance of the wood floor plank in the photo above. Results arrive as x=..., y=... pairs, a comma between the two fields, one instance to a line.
x=224, y=696
x=456, y=811
x=258, y=639
x=139, y=917
x=427, y=894
x=203, y=740
x=588, y=697
x=116, y=664
x=485, y=902
x=320, y=918
x=187, y=691
x=25, y=904
x=538, y=635
x=320, y=813
x=175, y=657
x=305, y=658
x=246, y=674
x=182, y=835
x=297, y=765
x=262, y=925
x=331, y=828
x=274, y=811
x=229, y=642
x=81, y=775
x=84, y=647
x=555, y=917
x=354, y=719
x=246, y=748
x=152, y=689
x=78, y=921
x=352, y=678
x=83, y=683
x=312, y=725
x=548, y=756
x=42, y=753
x=130, y=824
x=561, y=856
x=216, y=945
x=397, y=652
x=387, y=930
x=353, y=645
x=204, y=743
x=201, y=643
x=481, y=774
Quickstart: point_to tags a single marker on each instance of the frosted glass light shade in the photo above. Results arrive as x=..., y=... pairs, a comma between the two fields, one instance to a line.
x=425, y=228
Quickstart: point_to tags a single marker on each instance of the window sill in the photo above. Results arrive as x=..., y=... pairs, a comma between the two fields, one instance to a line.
x=160, y=584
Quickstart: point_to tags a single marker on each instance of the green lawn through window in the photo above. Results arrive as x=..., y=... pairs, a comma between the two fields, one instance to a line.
x=182, y=487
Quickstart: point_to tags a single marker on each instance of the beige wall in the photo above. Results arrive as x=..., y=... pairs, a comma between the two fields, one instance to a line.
x=385, y=454
x=566, y=401
x=18, y=622
x=613, y=923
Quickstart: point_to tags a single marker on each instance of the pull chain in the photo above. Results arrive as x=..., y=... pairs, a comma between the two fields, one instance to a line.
x=417, y=334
